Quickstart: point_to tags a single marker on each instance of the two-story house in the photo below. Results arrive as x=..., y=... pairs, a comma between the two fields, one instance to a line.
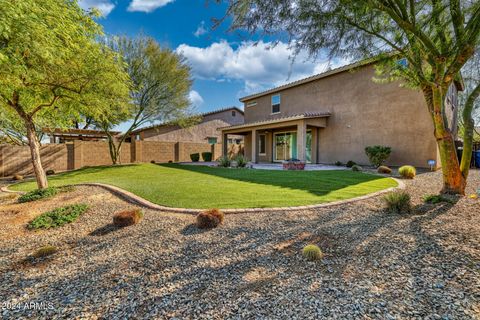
x=333, y=116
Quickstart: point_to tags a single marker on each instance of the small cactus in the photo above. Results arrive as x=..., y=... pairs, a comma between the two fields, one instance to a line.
x=407, y=172
x=312, y=252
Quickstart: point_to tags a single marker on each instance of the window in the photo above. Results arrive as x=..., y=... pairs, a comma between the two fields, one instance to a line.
x=212, y=140
x=137, y=137
x=276, y=103
x=262, y=144
x=234, y=113
x=251, y=104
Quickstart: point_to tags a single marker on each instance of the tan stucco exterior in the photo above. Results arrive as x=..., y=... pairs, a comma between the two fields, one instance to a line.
x=199, y=133
x=362, y=113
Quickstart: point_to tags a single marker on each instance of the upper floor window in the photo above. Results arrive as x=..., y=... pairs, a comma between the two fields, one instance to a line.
x=251, y=104
x=276, y=103
x=234, y=113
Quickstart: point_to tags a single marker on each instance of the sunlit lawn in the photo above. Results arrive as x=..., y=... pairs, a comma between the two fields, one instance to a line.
x=187, y=186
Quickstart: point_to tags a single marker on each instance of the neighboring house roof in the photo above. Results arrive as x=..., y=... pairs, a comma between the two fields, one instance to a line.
x=306, y=115
x=77, y=132
x=458, y=80
x=209, y=113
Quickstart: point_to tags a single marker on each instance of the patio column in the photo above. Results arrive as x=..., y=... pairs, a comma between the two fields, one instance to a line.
x=254, y=146
x=301, y=141
x=225, y=144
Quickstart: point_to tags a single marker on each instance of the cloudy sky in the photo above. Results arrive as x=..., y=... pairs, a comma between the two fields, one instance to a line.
x=225, y=66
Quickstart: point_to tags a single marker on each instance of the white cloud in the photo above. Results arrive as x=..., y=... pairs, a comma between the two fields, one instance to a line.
x=195, y=98
x=200, y=30
x=147, y=5
x=104, y=6
x=259, y=66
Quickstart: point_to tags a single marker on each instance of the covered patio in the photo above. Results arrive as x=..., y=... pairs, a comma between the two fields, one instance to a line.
x=277, y=140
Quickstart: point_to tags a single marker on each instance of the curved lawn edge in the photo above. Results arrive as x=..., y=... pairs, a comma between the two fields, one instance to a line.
x=133, y=198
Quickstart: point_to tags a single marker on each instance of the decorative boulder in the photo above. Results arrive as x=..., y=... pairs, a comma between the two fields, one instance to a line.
x=210, y=219
x=384, y=170
x=127, y=218
x=17, y=177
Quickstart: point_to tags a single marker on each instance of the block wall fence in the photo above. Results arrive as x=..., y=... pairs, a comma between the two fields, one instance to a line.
x=64, y=157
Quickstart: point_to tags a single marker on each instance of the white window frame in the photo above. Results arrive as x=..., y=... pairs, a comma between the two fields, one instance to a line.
x=260, y=144
x=279, y=103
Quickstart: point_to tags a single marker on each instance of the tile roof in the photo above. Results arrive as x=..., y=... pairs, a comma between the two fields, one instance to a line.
x=299, y=116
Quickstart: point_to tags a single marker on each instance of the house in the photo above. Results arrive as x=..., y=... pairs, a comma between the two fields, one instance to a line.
x=333, y=116
x=205, y=131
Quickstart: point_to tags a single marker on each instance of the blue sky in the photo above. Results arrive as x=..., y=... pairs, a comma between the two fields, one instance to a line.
x=226, y=66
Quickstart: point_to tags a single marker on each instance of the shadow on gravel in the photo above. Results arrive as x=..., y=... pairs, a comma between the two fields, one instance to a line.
x=109, y=228
x=192, y=229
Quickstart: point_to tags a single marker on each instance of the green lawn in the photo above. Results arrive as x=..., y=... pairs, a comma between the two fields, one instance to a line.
x=187, y=186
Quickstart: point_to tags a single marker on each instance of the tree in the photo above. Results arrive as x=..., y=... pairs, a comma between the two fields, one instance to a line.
x=470, y=107
x=52, y=69
x=159, y=91
x=436, y=37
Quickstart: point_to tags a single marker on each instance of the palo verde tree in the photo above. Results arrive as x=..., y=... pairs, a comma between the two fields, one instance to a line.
x=159, y=90
x=436, y=37
x=52, y=69
x=470, y=107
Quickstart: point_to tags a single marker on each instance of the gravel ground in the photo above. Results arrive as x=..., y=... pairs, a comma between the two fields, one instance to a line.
x=377, y=265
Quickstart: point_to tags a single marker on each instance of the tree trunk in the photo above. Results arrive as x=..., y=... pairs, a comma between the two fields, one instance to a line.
x=453, y=180
x=469, y=125
x=34, y=144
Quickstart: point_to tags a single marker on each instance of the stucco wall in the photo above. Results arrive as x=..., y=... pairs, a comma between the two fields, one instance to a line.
x=197, y=133
x=364, y=113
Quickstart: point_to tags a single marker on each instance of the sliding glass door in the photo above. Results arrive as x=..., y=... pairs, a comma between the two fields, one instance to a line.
x=285, y=145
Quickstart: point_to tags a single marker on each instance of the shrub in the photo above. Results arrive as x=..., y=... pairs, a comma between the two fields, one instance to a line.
x=356, y=167
x=224, y=162
x=207, y=156
x=436, y=198
x=17, y=177
x=49, y=172
x=38, y=194
x=241, y=161
x=210, y=219
x=152, y=161
x=58, y=217
x=407, y=172
x=398, y=202
x=44, y=251
x=338, y=163
x=378, y=154
x=127, y=218
x=350, y=163
x=312, y=252
x=195, y=157
x=384, y=170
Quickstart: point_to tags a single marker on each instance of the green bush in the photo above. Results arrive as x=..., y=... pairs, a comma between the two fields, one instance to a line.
x=384, y=170
x=38, y=194
x=398, y=202
x=207, y=156
x=44, y=251
x=224, y=162
x=312, y=252
x=436, y=198
x=338, y=163
x=356, y=167
x=378, y=154
x=350, y=163
x=407, y=172
x=58, y=217
x=241, y=161
x=195, y=157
